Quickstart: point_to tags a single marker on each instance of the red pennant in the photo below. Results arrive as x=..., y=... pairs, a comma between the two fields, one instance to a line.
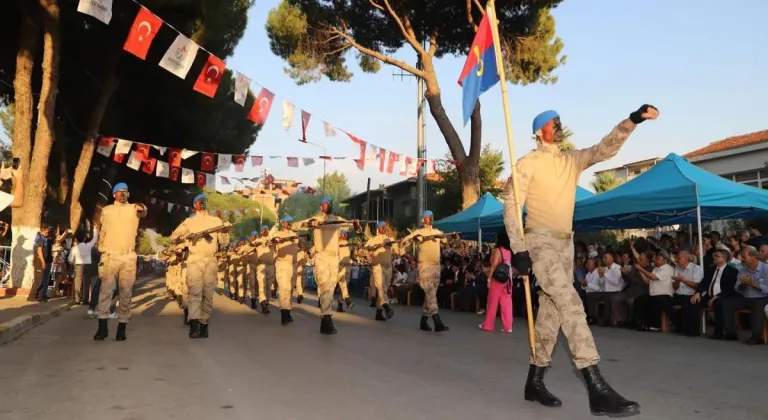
x=293, y=162
x=326, y=157
x=304, y=123
x=148, y=167
x=142, y=151
x=360, y=161
x=174, y=174
x=119, y=157
x=404, y=171
x=257, y=160
x=210, y=77
x=382, y=159
x=174, y=158
x=142, y=33
x=200, y=179
x=419, y=162
x=393, y=158
x=260, y=109
x=207, y=162
x=239, y=161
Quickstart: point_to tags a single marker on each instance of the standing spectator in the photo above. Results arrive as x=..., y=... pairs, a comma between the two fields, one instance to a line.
x=80, y=257
x=59, y=252
x=481, y=285
x=499, y=288
x=39, y=286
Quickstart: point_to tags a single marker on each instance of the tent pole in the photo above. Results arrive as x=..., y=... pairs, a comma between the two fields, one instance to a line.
x=701, y=236
x=480, y=240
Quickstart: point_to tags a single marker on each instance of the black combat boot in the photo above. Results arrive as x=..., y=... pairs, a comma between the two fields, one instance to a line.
x=535, y=390
x=284, y=315
x=203, y=330
x=120, y=336
x=388, y=309
x=340, y=308
x=186, y=316
x=290, y=318
x=103, y=331
x=264, y=307
x=254, y=305
x=373, y=302
x=194, y=328
x=380, y=315
x=349, y=303
x=439, y=326
x=274, y=294
x=425, y=323
x=241, y=300
x=326, y=325
x=300, y=299
x=603, y=400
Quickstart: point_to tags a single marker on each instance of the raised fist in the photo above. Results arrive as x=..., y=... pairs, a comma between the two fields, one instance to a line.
x=645, y=112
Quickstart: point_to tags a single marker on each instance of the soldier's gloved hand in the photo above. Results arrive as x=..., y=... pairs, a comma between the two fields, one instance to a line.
x=522, y=263
x=645, y=112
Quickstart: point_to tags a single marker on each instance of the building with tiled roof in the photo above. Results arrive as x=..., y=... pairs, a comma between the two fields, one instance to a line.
x=740, y=158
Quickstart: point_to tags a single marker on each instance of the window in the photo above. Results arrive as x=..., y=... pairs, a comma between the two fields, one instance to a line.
x=746, y=177
x=406, y=208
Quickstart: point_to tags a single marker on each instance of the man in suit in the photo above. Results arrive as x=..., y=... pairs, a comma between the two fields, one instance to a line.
x=712, y=290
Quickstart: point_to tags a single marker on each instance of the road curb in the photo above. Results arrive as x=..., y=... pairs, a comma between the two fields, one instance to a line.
x=19, y=326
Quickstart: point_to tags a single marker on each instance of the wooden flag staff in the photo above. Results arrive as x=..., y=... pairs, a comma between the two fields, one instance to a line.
x=491, y=10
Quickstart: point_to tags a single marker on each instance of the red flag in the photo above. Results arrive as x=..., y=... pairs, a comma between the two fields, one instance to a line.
x=174, y=158
x=210, y=76
x=260, y=109
x=304, y=123
x=200, y=179
x=119, y=157
x=257, y=160
x=148, y=166
x=174, y=174
x=142, y=151
x=293, y=162
x=360, y=161
x=404, y=171
x=326, y=157
x=393, y=158
x=207, y=162
x=419, y=162
x=239, y=161
x=142, y=33
x=382, y=159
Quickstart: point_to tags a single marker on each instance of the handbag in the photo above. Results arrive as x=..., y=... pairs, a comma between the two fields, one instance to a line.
x=501, y=273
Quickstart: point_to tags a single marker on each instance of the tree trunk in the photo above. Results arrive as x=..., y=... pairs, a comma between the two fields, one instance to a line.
x=469, y=176
x=63, y=173
x=91, y=135
x=36, y=186
x=21, y=265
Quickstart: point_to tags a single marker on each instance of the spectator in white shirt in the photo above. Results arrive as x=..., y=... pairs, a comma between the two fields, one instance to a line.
x=594, y=285
x=614, y=287
x=686, y=279
x=661, y=290
x=80, y=256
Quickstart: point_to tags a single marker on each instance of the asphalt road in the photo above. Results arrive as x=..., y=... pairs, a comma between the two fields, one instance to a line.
x=253, y=368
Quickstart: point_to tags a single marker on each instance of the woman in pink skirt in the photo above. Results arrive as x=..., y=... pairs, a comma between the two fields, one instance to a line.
x=499, y=293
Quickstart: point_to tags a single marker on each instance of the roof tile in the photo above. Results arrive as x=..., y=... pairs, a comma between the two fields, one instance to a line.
x=731, y=143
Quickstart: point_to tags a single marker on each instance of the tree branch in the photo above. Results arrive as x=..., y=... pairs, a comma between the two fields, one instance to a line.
x=375, y=54
x=433, y=42
x=376, y=5
x=480, y=6
x=405, y=28
x=470, y=19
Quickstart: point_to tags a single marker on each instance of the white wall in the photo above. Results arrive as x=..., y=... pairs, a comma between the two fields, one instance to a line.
x=744, y=162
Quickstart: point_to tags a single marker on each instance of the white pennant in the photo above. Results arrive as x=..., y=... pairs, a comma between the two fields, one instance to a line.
x=100, y=9
x=123, y=147
x=170, y=207
x=288, y=109
x=186, y=154
x=134, y=162
x=330, y=131
x=180, y=56
x=187, y=176
x=242, y=83
x=160, y=149
x=224, y=162
x=105, y=150
x=162, y=169
x=210, y=181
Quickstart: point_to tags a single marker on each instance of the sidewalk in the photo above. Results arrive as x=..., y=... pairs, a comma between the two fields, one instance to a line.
x=17, y=316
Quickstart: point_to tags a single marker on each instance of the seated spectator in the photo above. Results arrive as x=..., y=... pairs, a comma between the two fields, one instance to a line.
x=448, y=284
x=593, y=285
x=636, y=287
x=752, y=285
x=614, y=288
x=687, y=278
x=711, y=292
x=468, y=294
x=481, y=285
x=648, y=312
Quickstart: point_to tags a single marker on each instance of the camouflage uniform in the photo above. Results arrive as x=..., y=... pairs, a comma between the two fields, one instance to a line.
x=428, y=259
x=265, y=270
x=345, y=265
x=381, y=266
x=286, y=259
x=301, y=262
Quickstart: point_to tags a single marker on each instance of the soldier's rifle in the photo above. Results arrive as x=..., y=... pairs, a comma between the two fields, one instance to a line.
x=278, y=240
x=422, y=238
x=206, y=233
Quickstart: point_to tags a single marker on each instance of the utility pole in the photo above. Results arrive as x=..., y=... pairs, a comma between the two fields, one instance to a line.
x=421, y=137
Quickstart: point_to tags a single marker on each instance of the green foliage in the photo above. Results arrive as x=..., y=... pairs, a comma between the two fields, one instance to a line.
x=603, y=237
x=337, y=187
x=145, y=245
x=447, y=193
x=245, y=222
x=315, y=37
x=162, y=241
x=605, y=181
x=300, y=206
x=6, y=120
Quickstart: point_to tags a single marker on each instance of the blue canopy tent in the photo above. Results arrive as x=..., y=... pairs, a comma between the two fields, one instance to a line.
x=495, y=221
x=467, y=221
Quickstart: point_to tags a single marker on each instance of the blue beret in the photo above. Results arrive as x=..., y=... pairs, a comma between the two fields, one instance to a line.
x=326, y=199
x=381, y=224
x=287, y=219
x=243, y=239
x=265, y=226
x=199, y=197
x=120, y=187
x=427, y=213
x=542, y=119
x=255, y=233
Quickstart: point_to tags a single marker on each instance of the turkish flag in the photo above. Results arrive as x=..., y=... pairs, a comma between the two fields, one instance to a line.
x=142, y=151
x=142, y=33
x=119, y=157
x=174, y=174
x=239, y=161
x=393, y=158
x=207, y=162
x=260, y=109
x=200, y=179
x=174, y=158
x=208, y=81
x=149, y=166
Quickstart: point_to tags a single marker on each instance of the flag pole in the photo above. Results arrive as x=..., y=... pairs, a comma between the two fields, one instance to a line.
x=491, y=10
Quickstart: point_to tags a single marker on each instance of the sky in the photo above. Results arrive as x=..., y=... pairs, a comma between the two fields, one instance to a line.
x=699, y=62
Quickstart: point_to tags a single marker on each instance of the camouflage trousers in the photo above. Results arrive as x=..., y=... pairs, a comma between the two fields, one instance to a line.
x=298, y=280
x=345, y=273
x=232, y=279
x=285, y=274
x=381, y=276
x=429, y=279
x=559, y=305
x=265, y=275
x=221, y=279
x=120, y=270
x=201, y=283
x=241, y=278
x=182, y=281
x=327, y=276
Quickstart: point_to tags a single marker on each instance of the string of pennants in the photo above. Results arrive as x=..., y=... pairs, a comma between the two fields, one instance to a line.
x=171, y=207
x=178, y=60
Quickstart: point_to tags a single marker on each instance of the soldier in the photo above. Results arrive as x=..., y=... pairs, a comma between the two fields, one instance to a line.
x=117, y=244
x=286, y=258
x=201, y=262
x=428, y=239
x=241, y=269
x=381, y=249
x=251, y=258
x=547, y=181
x=221, y=273
x=266, y=268
x=325, y=234
x=232, y=260
x=345, y=271
x=302, y=259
